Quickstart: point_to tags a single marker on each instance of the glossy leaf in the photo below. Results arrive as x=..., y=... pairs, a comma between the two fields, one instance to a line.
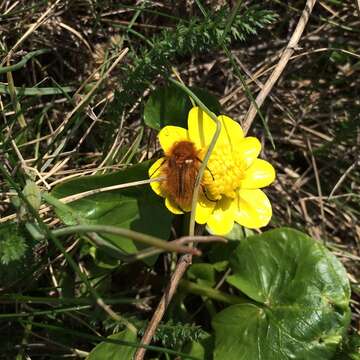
x=110, y=351
x=169, y=105
x=136, y=208
x=298, y=300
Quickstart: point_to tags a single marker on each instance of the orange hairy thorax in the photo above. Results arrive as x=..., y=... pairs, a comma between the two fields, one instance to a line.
x=181, y=168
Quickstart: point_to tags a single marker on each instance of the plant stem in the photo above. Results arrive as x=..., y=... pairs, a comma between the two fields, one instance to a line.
x=211, y=293
x=186, y=260
x=23, y=61
x=134, y=235
x=207, y=155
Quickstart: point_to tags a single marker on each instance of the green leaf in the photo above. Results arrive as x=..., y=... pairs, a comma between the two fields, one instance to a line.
x=239, y=232
x=12, y=243
x=102, y=259
x=221, y=253
x=17, y=253
x=169, y=105
x=339, y=57
x=203, y=273
x=137, y=208
x=32, y=193
x=174, y=334
x=110, y=351
x=298, y=300
x=208, y=99
x=350, y=349
x=201, y=349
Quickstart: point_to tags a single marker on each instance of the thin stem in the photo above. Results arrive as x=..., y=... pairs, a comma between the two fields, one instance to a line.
x=23, y=61
x=134, y=235
x=42, y=91
x=44, y=312
x=284, y=59
x=183, y=240
x=207, y=155
x=211, y=293
x=185, y=260
x=11, y=298
x=232, y=18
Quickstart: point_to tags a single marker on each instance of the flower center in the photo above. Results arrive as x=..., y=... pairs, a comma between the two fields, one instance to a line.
x=226, y=170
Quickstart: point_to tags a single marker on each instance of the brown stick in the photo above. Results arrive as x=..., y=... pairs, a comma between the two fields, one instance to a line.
x=186, y=260
x=285, y=57
x=181, y=267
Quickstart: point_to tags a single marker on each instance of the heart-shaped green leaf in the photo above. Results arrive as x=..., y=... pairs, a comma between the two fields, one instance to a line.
x=169, y=105
x=298, y=300
x=136, y=208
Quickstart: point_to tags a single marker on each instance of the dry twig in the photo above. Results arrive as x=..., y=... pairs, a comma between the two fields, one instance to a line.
x=285, y=57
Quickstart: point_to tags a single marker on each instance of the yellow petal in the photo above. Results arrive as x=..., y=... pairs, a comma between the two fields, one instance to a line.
x=221, y=220
x=202, y=129
x=169, y=135
x=172, y=207
x=248, y=149
x=155, y=169
x=253, y=209
x=204, y=208
x=231, y=131
x=259, y=174
x=154, y=172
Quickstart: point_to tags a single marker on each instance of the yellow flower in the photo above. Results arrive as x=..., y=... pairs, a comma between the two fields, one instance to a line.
x=230, y=189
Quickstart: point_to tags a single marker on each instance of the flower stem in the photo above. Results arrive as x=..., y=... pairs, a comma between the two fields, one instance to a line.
x=211, y=293
x=207, y=155
x=134, y=235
